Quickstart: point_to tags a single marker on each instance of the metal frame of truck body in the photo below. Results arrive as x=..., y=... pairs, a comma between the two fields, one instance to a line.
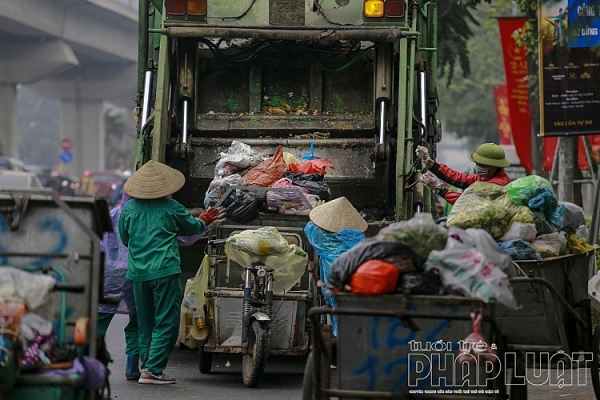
x=412, y=92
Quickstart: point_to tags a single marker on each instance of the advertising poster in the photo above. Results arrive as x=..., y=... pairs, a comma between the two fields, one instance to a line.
x=517, y=87
x=569, y=67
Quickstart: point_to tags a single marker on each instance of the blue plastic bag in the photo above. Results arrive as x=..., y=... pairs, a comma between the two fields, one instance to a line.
x=330, y=246
x=311, y=154
x=518, y=249
x=545, y=201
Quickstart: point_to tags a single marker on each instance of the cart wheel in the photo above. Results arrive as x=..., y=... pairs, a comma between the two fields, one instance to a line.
x=253, y=363
x=307, y=382
x=204, y=360
x=595, y=368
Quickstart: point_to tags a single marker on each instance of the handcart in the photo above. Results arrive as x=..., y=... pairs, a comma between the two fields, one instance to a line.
x=401, y=347
x=554, y=321
x=245, y=313
x=43, y=234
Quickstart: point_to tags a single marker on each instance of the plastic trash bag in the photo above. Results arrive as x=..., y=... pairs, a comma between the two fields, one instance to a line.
x=294, y=199
x=288, y=261
x=484, y=243
x=329, y=246
x=312, y=166
x=523, y=189
x=420, y=233
x=545, y=201
x=374, y=277
x=268, y=171
x=550, y=245
x=311, y=154
x=314, y=183
x=237, y=158
x=465, y=270
x=475, y=349
x=567, y=217
x=262, y=241
x=483, y=205
x=245, y=207
x=193, y=302
x=518, y=249
x=421, y=282
x=520, y=230
x=369, y=249
x=219, y=186
x=34, y=289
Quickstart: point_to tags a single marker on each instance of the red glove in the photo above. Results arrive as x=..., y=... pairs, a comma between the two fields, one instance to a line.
x=209, y=215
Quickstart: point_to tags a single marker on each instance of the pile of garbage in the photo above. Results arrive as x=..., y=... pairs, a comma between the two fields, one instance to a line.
x=524, y=217
x=421, y=257
x=241, y=165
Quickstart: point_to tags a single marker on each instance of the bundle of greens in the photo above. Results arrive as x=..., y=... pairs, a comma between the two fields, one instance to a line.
x=420, y=233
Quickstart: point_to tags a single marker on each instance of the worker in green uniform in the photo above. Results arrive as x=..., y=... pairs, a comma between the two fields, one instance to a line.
x=149, y=225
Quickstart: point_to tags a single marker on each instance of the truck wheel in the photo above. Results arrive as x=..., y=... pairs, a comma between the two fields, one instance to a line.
x=205, y=360
x=595, y=367
x=307, y=381
x=253, y=363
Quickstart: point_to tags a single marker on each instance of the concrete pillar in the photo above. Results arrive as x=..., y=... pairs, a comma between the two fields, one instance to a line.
x=82, y=121
x=9, y=127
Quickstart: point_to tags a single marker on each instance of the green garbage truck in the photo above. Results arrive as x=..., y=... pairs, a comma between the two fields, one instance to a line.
x=355, y=80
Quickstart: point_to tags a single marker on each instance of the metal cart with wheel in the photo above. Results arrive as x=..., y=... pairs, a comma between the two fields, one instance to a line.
x=397, y=346
x=245, y=315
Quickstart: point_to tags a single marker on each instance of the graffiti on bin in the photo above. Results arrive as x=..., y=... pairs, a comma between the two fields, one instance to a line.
x=394, y=334
x=52, y=238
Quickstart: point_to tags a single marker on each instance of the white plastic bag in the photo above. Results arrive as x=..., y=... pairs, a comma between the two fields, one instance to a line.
x=237, y=158
x=485, y=243
x=268, y=246
x=550, y=245
x=464, y=269
x=34, y=289
x=262, y=241
x=520, y=230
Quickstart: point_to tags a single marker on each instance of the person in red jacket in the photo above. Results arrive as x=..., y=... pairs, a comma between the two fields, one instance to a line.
x=489, y=159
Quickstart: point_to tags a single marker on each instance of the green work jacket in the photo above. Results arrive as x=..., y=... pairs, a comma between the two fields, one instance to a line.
x=149, y=228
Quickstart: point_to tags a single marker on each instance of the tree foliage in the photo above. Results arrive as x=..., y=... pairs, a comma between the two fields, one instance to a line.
x=467, y=105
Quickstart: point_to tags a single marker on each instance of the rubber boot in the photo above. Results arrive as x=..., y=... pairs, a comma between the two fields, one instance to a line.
x=132, y=370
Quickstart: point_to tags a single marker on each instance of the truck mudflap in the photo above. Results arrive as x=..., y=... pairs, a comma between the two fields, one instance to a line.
x=361, y=174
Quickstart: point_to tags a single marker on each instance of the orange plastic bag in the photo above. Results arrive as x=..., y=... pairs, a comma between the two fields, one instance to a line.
x=374, y=277
x=267, y=172
x=312, y=166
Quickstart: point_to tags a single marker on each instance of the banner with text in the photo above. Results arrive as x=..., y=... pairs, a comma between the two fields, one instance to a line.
x=569, y=56
x=503, y=114
x=515, y=67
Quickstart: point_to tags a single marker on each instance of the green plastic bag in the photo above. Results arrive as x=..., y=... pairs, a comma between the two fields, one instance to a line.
x=523, y=189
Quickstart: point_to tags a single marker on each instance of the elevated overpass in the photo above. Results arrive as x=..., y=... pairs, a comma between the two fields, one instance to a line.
x=81, y=52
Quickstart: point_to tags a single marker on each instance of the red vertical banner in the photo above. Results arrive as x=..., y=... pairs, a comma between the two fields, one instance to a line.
x=515, y=67
x=503, y=114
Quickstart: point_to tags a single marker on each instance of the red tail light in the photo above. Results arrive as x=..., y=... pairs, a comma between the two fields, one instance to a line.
x=175, y=7
x=395, y=8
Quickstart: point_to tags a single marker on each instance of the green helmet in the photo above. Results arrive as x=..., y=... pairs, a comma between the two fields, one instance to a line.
x=490, y=154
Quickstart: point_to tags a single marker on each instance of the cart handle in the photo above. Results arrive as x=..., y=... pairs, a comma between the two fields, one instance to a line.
x=69, y=287
x=555, y=292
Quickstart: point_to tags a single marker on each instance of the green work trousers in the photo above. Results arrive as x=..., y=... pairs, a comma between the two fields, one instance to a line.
x=131, y=332
x=158, y=304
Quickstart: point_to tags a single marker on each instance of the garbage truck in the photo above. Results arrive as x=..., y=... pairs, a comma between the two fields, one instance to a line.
x=355, y=80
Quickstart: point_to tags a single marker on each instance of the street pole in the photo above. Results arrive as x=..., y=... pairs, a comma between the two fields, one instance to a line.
x=566, y=162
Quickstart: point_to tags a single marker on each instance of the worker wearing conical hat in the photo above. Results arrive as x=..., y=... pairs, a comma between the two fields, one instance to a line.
x=149, y=225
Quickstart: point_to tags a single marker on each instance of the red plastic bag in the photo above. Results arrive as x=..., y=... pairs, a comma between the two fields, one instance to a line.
x=475, y=348
x=312, y=166
x=374, y=277
x=267, y=172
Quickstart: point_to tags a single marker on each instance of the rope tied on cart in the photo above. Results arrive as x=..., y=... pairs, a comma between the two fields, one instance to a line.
x=14, y=213
x=401, y=313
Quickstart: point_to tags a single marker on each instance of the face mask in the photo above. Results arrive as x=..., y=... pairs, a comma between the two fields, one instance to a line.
x=483, y=172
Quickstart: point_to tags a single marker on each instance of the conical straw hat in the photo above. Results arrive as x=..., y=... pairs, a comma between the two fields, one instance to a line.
x=337, y=215
x=153, y=181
